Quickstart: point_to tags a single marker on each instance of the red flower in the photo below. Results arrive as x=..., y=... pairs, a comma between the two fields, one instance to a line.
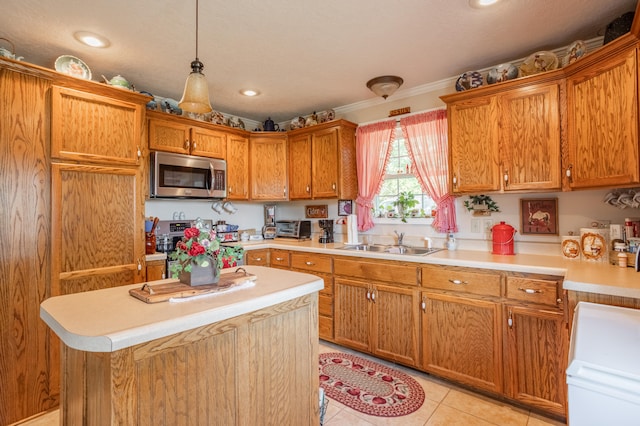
x=196, y=249
x=180, y=245
x=191, y=232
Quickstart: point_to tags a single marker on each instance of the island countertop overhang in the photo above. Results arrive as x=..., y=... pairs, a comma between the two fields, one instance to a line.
x=109, y=320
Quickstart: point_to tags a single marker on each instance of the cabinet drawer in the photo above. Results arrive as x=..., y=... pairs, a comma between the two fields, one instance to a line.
x=311, y=262
x=462, y=280
x=392, y=272
x=280, y=258
x=257, y=257
x=325, y=305
x=533, y=290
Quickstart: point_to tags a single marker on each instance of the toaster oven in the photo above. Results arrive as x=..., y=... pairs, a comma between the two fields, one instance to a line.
x=298, y=229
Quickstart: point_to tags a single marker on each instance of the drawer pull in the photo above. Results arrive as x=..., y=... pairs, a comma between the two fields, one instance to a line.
x=309, y=263
x=279, y=259
x=458, y=282
x=258, y=259
x=530, y=290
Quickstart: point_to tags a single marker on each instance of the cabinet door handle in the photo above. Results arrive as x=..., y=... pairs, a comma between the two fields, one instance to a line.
x=333, y=186
x=458, y=282
x=506, y=178
x=284, y=191
x=139, y=265
x=530, y=290
x=455, y=181
x=569, y=172
x=423, y=304
x=368, y=294
x=510, y=320
x=230, y=190
x=186, y=144
x=194, y=145
x=139, y=153
x=373, y=296
x=309, y=263
x=308, y=188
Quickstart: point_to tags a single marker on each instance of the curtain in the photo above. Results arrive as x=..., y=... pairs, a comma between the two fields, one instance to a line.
x=373, y=148
x=426, y=136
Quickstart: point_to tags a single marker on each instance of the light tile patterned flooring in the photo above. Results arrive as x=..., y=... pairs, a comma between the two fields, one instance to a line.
x=444, y=404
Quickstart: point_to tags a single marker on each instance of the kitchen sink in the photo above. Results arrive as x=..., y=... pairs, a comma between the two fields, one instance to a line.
x=392, y=249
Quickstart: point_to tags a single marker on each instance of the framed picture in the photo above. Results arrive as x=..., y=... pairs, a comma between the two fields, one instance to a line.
x=320, y=211
x=345, y=207
x=539, y=216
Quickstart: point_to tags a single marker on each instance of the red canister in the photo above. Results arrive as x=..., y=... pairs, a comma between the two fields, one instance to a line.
x=502, y=236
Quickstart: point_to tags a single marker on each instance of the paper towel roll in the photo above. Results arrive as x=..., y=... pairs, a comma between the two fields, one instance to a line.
x=352, y=229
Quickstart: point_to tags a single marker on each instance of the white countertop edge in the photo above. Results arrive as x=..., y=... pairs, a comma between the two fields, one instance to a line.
x=127, y=338
x=143, y=333
x=609, y=290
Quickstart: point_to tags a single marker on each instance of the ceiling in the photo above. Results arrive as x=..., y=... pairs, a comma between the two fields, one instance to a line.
x=303, y=56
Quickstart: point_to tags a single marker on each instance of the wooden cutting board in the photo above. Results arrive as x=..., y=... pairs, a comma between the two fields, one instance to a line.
x=177, y=290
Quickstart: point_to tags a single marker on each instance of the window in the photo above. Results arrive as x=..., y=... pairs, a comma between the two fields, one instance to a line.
x=399, y=179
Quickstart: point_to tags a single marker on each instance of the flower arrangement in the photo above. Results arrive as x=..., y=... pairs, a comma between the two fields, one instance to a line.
x=197, y=246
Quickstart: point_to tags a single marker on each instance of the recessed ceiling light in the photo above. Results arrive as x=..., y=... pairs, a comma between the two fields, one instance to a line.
x=249, y=92
x=479, y=4
x=91, y=39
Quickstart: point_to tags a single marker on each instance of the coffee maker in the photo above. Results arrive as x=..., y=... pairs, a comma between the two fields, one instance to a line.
x=269, y=228
x=327, y=231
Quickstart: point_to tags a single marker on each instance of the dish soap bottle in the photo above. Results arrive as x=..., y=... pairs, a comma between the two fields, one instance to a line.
x=451, y=244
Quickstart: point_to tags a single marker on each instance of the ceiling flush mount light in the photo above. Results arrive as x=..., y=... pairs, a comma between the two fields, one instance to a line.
x=196, y=90
x=479, y=4
x=91, y=39
x=384, y=86
x=249, y=92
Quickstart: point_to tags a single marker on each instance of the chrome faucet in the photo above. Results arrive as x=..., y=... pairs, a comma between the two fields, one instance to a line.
x=400, y=237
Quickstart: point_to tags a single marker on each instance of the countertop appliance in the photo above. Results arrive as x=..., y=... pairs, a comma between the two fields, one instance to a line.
x=327, y=231
x=186, y=176
x=269, y=228
x=603, y=376
x=298, y=229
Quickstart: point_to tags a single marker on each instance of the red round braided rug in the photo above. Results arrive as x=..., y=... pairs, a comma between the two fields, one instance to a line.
x=369, y=387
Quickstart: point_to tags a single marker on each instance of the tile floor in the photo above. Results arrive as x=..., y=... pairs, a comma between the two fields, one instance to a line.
x=444, y=404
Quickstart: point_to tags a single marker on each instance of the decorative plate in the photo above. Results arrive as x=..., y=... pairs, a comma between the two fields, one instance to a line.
x=576, y=50
x=539, y=62
x=469, y=80
x=571, y=248
x=70, y=65
x=502, y=72
x=594, y=246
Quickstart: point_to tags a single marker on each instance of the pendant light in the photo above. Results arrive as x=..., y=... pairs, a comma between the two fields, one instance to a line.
x=196, y=90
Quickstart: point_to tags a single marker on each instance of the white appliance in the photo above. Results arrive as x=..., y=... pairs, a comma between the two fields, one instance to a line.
x=603, y=376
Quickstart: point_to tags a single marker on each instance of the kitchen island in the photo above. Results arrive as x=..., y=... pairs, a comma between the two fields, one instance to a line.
x=242, y=357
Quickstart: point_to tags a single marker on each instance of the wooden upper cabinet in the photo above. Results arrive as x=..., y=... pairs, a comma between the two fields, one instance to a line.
x=300, y=167
x=91, y=127
x=506, y=137
x=322, y=161
x=530, y=138
x=182, y=136
x=473, y=145
x=602, y=115
x=268, y=166
x=237, y=167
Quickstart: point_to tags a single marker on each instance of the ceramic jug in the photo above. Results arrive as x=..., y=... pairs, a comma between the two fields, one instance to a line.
x=270, y=126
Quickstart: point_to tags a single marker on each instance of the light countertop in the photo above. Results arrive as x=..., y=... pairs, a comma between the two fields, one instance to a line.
x=111, y=319
x=590, y=277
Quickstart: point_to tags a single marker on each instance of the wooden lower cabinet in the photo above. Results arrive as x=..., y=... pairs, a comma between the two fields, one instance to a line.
x=462, y=339
x=536, y=342
x=374, y=316
x=257, y=257
x=279, y=259
x=156, y=270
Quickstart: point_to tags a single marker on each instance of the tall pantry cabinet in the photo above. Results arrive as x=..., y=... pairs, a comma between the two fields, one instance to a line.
x=73, y=209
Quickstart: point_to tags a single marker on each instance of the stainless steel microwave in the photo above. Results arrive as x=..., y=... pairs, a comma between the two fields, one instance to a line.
x=187, y=176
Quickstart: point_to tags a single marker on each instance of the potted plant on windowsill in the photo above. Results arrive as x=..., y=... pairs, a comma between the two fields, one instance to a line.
x=405, y=202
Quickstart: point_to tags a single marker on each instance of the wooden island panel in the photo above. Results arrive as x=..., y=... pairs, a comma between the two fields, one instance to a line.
x=251, y=369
